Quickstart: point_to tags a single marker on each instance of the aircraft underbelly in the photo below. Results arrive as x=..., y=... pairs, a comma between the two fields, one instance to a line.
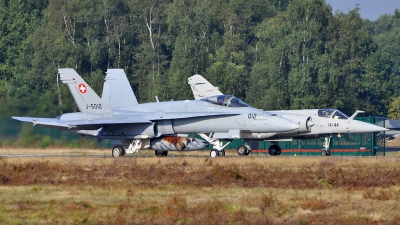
x=128, y=131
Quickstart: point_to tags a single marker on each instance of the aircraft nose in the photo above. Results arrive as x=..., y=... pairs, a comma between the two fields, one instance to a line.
x=280, y=124
x=363, y=127
x=374, y=128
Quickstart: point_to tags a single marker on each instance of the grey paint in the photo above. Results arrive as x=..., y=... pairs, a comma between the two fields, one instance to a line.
x=131, y=121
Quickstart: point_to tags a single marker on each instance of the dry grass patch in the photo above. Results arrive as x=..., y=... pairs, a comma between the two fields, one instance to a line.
x=173, y=204
x=187, y=190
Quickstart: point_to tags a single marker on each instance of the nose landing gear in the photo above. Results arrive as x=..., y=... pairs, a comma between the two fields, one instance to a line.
x=218, y=147
x=326, y=149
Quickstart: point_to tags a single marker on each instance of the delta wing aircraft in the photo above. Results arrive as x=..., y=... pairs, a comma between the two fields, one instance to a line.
x=313, y=123
x=119, y=118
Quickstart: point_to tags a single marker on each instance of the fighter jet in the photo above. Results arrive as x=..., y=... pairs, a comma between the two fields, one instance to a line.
x=119, y=118
x=313, y=123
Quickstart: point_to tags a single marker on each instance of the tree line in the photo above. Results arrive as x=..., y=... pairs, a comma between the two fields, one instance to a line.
x=273, y=54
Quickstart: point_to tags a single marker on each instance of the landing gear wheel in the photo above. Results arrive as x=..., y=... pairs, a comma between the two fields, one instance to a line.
x=123, y=152
x=325, y=152
x=221, y=153
x=118, y=151
x=214, y=153
x=242, y=150
x=161, y=153
x=274, y=150
x=248, y=151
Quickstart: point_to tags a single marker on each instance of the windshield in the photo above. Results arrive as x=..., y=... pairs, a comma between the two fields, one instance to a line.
x=226, y=100
x=332, y=113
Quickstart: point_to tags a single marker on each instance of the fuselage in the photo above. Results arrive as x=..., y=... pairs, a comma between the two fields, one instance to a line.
x=195, y=116
x=235, y=118
x=325, y=122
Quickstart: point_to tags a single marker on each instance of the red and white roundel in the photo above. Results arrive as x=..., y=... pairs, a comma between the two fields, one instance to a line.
x=82, y=88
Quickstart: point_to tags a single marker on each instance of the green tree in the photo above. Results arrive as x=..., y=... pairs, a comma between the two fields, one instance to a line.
x=150, y=54
x=292, y=44
x=18, y=20
x=394, y=109
x=377, y=83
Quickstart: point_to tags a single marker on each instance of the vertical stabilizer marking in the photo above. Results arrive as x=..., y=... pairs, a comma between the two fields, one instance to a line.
x=85, y=98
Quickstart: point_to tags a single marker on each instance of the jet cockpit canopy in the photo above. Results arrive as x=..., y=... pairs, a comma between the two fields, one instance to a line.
x=332, y=113
x=226, y=100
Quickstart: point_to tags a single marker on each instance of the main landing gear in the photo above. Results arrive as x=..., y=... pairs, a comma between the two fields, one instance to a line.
x=274, y=149
x=218, y=147
x=118, y=151
x=244, y=149
x=161, y=153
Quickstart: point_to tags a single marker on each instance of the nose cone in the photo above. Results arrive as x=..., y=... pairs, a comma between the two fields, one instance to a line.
x=280, y=124
x=356, y=126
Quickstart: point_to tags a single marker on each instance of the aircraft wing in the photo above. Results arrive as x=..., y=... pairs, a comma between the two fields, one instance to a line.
x=96, y=123
x=392, y=124
x=87, y=124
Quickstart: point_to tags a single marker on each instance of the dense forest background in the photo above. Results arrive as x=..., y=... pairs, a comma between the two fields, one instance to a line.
x=274, y=54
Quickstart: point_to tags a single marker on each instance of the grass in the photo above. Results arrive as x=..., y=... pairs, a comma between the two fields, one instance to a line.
x=187, y=190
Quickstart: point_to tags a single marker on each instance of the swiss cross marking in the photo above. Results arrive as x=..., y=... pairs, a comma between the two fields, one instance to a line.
x=82, y=88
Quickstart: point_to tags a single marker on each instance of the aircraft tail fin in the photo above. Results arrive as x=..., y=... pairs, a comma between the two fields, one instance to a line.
x=201, y=88
x=85, y=98
x=117, y=92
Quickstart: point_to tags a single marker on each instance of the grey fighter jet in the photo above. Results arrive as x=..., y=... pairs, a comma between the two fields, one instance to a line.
x=313, y=123
x=119, y=118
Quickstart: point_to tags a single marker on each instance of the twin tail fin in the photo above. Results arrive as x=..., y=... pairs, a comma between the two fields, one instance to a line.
x=86, y=99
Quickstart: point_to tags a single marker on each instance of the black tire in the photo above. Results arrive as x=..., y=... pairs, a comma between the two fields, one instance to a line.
x=242, y=150
x=221, y=153
x=214, y=153
x=324, y=153
x=117, y=151
x=161, y=153
x=274, y=150
x=248, y=150
x=123, y=152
